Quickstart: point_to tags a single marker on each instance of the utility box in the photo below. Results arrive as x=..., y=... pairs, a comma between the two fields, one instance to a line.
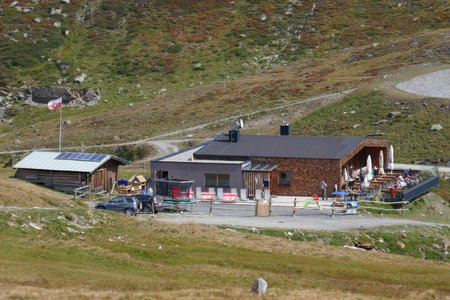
x=262, y=208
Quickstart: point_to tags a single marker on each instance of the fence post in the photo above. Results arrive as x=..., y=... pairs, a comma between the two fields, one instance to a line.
x=270, y=206
x=210, y=206
x=295, y=205
x=332, y=210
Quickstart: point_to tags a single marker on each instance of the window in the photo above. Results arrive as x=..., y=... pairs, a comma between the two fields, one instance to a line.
x=162, y=174
x=285, y=178
x=117, y=200
x=217, y=180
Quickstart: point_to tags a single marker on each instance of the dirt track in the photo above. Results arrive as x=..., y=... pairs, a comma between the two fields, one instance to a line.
x=165, y=146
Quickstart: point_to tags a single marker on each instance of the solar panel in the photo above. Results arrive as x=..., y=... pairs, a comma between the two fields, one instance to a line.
x=81, y=156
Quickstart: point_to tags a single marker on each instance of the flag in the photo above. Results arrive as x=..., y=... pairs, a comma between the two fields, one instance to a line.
x=54, y=104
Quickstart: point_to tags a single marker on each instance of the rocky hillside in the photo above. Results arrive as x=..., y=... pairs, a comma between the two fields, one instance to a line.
x=167, y=45
x=151, y=60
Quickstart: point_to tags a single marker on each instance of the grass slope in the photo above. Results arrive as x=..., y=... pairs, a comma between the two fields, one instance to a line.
x=409, y=132
x=80, y=253
x=35, y=127
x=24, y=194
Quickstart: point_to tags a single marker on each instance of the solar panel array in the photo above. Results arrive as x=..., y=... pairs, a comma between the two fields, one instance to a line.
x=81, y=156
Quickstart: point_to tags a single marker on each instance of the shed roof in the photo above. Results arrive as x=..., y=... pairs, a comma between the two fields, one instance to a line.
x=259, y=167
x=43, y=160
x=309, y=147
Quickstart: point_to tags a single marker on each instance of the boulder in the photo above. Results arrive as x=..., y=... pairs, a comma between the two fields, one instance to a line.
x=80, y=78
x=446, y=244
x=380, y=122
x=436, y=127
x=199, y=67
x=394, y=114
x=65, y=1
x=55, y=11
x=259, y=286
x=366, y=246
x=356, y=126
x=353, y=58
x=401, y=244
x=71, y=97
x=63, y=68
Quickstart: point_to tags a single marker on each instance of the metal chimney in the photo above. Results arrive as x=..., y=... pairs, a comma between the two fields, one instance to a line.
x=285, y=129
x=233, y=136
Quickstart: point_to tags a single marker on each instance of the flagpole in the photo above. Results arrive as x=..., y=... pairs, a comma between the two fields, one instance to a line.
x=60, y=126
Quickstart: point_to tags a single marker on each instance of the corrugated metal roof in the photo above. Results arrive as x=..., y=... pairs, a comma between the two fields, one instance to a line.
x=43, y=160
x=259, y=167
x=311, y=147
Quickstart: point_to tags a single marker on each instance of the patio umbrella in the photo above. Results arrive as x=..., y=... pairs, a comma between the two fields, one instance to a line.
x=345, y=177
x=381, y=163
x=391, y=158
x=369, y=168
x=366, y=182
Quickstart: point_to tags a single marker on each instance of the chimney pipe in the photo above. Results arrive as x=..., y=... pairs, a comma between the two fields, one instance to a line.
x=285, y=129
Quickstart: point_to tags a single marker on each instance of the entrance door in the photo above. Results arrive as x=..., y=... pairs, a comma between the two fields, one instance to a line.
x=255, y=181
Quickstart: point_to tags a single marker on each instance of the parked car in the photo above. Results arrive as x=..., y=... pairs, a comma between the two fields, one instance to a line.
x=129, y=205
x=150, y=204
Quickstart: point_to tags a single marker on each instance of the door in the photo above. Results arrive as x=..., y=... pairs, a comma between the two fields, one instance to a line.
x=255, y=181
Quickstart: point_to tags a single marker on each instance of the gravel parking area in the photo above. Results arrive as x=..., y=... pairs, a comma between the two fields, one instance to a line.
x=436, y=84
x=287, y=222
x=310, y=219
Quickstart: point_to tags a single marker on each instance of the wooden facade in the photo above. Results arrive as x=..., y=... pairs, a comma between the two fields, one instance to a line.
x=101, y=179
x=255, y=181
x=307, y=174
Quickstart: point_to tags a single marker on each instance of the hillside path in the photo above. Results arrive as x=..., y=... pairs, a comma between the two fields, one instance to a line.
x=166, y=146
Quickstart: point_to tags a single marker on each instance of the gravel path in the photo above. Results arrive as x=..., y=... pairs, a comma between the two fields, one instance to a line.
x=436, y=84
x=307, y=222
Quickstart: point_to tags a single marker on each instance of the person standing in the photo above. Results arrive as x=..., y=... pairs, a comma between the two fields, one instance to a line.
x=323, y=189
x=150, y=190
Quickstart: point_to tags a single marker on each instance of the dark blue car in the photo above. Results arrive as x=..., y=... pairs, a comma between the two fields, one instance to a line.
x=128, y=205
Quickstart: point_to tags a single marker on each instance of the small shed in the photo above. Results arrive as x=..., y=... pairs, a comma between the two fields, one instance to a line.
x=66, y=171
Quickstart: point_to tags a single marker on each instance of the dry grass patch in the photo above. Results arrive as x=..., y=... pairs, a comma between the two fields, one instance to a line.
x=16, y=192
x=110, y=255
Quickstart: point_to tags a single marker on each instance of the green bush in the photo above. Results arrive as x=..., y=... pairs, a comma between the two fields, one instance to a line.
x=131, y=153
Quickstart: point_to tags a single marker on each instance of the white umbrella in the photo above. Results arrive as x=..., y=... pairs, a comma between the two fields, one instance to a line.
x=366, y=182
x=345, y=177
x=391, y=158
x=369, y=168
x=381, y=163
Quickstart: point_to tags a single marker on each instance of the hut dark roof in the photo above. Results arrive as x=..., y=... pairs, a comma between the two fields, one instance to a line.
x=308, y=147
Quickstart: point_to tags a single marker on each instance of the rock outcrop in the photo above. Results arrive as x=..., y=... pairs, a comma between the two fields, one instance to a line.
x=71, y=97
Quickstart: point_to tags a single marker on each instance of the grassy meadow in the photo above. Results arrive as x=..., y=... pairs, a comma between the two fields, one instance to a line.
x=79, y=253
